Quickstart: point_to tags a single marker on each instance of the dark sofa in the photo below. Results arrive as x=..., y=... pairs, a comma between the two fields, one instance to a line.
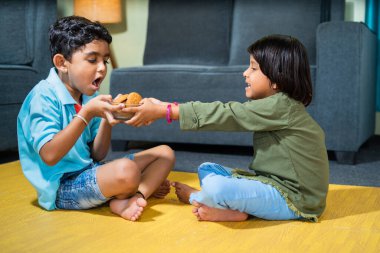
x=24, y=57
x=196, y=50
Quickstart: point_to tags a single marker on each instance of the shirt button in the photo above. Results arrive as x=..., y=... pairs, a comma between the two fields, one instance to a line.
x=195, y=120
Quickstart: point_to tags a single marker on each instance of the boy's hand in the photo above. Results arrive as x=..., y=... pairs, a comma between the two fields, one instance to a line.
x=101, y=106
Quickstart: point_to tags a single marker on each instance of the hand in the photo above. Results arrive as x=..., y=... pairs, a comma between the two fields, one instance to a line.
x=153, y=100
x=101, y=106
x=146, y=113
x=111, y=120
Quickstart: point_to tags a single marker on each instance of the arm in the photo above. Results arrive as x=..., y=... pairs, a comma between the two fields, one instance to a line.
x=269, y=114
x=102, y=141
x=151, y=110
x=54, y=150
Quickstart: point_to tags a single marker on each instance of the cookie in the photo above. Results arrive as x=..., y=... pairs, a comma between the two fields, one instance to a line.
x=133, y=99
x=121, y=99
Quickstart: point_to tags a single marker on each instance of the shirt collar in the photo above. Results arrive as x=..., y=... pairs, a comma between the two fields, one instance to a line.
x=62, y=92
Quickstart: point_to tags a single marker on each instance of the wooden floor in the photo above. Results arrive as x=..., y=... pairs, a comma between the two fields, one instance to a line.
x=351, y=223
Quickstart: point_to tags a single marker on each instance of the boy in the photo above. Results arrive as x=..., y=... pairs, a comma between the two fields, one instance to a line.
x=63, y=132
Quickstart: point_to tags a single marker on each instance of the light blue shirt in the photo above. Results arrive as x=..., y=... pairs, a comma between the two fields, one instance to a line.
x=47, y=110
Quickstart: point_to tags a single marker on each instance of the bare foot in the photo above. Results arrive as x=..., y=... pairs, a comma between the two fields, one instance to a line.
x=206, y=213
x=162, y=190
x=129, y=209
x=183, y=191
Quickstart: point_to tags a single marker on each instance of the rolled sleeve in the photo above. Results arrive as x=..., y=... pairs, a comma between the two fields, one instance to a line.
x=188, y=119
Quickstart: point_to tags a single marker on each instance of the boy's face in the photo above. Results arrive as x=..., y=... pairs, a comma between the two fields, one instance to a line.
x=87, y=69
x=258, y=84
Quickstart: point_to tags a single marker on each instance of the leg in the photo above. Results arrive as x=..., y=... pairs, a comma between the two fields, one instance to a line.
x=242, y=195
x=184, y=191
x=212, y=168
x=155, y=164
x=206, y=213
x=120, y=179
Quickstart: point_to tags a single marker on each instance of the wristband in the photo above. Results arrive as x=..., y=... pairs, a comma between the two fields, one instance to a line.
x=82, y=118
x=168, y=111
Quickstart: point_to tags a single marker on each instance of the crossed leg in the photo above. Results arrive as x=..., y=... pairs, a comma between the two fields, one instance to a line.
x=204, y=212
x=147, y=173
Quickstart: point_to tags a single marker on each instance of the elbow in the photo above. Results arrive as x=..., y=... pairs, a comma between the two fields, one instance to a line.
x=50, y=162
x=49, y=159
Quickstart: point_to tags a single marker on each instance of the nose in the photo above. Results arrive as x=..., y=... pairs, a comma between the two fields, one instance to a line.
x=102, y=66
x=245, y=73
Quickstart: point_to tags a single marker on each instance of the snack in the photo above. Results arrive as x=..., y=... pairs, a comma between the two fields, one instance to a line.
x=121, y=98
x=133, y=99
x=130, y=100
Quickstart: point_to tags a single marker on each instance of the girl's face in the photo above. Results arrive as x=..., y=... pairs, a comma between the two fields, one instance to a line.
x=258, y=84
x=87, y=69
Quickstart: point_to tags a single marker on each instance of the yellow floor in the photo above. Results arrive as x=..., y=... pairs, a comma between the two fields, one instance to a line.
x=351, y=223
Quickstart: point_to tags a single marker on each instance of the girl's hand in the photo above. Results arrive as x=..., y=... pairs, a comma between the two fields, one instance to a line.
x=153, y=100
x=146, y=113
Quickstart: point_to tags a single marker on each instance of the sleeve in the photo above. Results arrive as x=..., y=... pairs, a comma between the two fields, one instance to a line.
x=268, y=114
x=45, y=119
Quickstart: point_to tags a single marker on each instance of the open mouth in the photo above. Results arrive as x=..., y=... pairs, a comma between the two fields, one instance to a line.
x=97, y=82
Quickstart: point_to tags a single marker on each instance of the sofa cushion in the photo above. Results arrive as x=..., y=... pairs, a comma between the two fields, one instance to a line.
x=16, y=25
x=255, y=19
x=16, y=82
x=205, y=24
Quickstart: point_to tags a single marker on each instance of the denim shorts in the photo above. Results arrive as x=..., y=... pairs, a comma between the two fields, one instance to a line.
x=80, y=190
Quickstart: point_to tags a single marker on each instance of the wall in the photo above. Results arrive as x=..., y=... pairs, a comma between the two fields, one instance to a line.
x=129, y=36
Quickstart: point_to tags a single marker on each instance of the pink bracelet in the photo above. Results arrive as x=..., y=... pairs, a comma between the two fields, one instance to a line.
x=168, y=111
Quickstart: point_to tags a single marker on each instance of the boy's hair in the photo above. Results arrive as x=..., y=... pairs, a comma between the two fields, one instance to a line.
x=283, y=59
x=68, y=34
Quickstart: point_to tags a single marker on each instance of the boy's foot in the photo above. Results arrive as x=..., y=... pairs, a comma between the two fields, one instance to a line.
x=130, y=209
x=183, y=191
x=162, y=190
x=206, y=213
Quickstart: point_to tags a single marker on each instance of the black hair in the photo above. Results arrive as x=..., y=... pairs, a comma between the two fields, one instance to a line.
x=68, y=34
x=283, y=59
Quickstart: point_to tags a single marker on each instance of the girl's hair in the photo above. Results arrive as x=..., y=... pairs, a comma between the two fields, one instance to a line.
x=71, y=33
x=284, y=61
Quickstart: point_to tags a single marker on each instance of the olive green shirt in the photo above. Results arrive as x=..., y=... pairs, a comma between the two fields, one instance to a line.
x=289, y=146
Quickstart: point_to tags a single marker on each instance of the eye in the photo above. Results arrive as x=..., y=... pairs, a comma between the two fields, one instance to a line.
x=106, y=61
x=91, y=60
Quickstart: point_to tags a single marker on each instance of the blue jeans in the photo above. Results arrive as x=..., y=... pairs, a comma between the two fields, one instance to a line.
x=221, y=190
x=80, y=190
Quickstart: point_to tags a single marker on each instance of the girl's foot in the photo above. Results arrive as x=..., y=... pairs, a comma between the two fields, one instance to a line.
x=183, y=191
x=129, y=209
x=206, y=213
x=162, y=190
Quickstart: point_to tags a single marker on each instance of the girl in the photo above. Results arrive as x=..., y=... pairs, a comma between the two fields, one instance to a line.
x=288, y=177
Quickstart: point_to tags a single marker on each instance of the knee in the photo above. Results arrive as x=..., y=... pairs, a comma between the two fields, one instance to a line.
x=166, y=153
x=215, y=187
x=205, y=167
x=127, y=175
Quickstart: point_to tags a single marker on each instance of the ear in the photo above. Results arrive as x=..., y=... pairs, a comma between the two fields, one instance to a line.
x=60, y=63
